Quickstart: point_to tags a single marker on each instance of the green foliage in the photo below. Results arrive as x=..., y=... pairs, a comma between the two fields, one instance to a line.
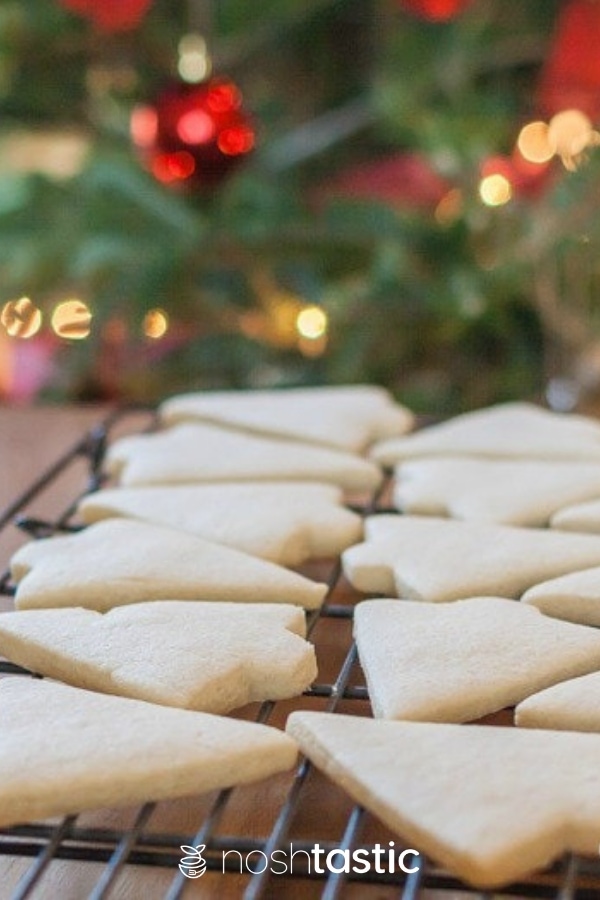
x=444, y=313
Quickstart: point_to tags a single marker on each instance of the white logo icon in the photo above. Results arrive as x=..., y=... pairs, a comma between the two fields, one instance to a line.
x=192, y=865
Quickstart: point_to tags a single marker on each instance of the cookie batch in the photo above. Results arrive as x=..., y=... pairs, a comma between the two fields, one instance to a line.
x=178, y=602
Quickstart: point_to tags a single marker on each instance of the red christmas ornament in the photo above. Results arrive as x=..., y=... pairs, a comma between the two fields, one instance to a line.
x=194, y=134
x=570, y=78
x=436, y=10
x=110, y=15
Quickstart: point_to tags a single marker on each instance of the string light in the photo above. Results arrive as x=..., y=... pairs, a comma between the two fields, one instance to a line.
x=194, y=64
x=169, y=167
x=311, y=322
x=570, y=132
x=196, y=127
x=21, y=318
x=143, y=126
x=312, y=325
x=155, y=324
x=534, y=144
x=495, y=189
x=72, y=319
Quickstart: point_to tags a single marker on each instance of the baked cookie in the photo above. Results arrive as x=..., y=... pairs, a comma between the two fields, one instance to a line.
x=212, y=657
x=349, y=417
x=571, y=706
x=285, y=522
x=574, y=597
x=584, y=516
x=489, y=804
x=196, y=452
x=461, y=661
x=424, y=558
x=121, y=561
x=510, y=492
x=506, y=431
x=64, y=750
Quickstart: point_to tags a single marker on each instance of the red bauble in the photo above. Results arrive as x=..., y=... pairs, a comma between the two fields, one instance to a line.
x=436, y=10
x=110, y=15
x=570, y=78
x=194, y=134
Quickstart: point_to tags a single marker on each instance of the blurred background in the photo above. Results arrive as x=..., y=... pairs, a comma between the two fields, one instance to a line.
x=199, y=194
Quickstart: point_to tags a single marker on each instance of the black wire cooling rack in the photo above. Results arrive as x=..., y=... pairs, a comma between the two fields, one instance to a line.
x=119, y=857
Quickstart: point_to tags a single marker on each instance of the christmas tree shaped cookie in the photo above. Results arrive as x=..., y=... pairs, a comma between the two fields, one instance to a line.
x=507, y=431
x=285, y=522
x=584, y=516
x=574, y=597
x=64, y=750
x=121, y=561
x=423, y=558
x=570, y=706
x=197, y=452
x=490, y=804
x=512, y=492
x=460, y=661
x=349, y=417
x=206, y=656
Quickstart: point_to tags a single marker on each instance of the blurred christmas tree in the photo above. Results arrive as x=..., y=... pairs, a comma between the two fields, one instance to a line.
x=198, y=194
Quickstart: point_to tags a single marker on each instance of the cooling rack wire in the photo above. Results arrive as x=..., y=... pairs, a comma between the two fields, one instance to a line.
x=138, y=854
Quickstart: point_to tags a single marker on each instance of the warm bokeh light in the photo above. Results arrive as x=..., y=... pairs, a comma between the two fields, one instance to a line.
x=569, y=133
x=194, y=63
x=72, y=319
x=143, y=126
x=196, y=127
x=21, y=318
x=223, y=96
x=311, y=322
x=167, y=167
x=495, y=189
x=450, y=207
x=236, y=140
x=534, y=144
x=155, y=324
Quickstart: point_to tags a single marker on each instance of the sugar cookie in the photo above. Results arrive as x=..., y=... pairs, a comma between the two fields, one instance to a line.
x=121, y=561
x=212, y=657
x=349, y=417
x=64, y=750
x=285, y=522
x=490, y=804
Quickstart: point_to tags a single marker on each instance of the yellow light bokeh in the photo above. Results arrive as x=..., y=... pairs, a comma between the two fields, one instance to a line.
x=534, y=144
x=194, y=64
x=72, y=319
x=155, y=324
x=569, y=133
x=311, y=323
x=21, y=318
x=495, y=190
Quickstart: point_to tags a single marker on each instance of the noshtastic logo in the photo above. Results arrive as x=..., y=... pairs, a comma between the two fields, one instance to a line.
x=192, y=864
x=318, y=859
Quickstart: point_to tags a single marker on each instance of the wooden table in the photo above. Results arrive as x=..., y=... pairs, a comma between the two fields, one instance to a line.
x=30, y=441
